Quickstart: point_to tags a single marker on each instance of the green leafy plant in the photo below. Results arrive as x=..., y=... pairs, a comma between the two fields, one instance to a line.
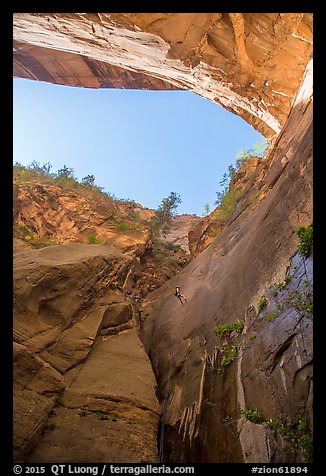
x=230, y=356
x=275, y=424
x=206, y=209
x=296, y=433
x=93, y=240
x=227, y=418
x=134, y=216
x=226, y=329
x=63, y=178
x=278, y=287
x=127, y=227
x=102, y=416
x=302, y=424
x=164, y=214
x=89, y=180
x=172, y=247
x=252, y=415
x=305, y=235
x=270, y=317
x=227, y=198
x=306, y=443
x=302, y=302
x=261, y=303
x=288, y=279
x=83, y=412
x=227, y=204
x=169, y=257
x=21, y=231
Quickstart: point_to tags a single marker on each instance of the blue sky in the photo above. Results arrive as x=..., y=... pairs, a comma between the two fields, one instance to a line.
x=140, y=145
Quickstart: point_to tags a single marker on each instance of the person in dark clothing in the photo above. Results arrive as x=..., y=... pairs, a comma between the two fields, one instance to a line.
x=180, y=296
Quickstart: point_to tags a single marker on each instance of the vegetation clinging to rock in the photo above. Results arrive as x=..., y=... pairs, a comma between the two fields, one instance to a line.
x=306, y=239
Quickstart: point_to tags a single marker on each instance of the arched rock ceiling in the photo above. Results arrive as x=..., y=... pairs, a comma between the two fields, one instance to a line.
x=251, y=64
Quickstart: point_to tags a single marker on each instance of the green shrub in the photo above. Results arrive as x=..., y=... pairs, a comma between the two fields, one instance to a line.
x=230, y=356
x=305, y=235
x=25, y=232
x=226, y=329
x=252, y=415
x=102, y=416
x=227, y=418
x=172, y=246
x=302, y=302
x=47, y=241
x=276, y=424
x=127, y=227
x=270, y=317
x=134, y=216
x=227, y=205
x=288, y=279
x=93, y=240
x=306, y=443
x=296, y=433
x=123, y=227
x=261, y=303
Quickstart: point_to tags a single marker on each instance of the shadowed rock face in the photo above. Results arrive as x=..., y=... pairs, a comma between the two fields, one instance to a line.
x=207, y=381
x=250, y=63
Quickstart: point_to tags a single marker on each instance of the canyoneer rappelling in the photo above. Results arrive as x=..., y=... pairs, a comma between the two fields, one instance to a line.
x=180, y=296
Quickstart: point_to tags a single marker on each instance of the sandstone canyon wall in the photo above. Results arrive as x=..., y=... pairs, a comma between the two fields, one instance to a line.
x=259, y=67
x=80, y=368
x=211, y=382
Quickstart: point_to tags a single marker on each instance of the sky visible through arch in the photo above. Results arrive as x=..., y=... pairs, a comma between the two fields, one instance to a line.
x=139, y=145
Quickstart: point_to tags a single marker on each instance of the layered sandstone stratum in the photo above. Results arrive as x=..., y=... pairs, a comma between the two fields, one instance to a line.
x=101, y=343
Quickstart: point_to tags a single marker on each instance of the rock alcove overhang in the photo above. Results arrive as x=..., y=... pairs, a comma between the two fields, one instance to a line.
x=249, y=63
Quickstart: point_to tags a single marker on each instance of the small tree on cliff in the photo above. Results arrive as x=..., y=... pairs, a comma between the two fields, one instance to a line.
x=66, y=172
x=207, y=209
x=165, y=212
x=65, y=177
x=89, y=180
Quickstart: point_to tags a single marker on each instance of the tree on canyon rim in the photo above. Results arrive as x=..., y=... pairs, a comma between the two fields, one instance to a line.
x=165, y=212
